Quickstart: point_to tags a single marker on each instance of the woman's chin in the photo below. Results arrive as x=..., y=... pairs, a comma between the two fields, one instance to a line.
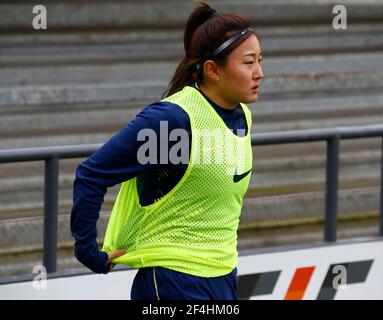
x=251, y=98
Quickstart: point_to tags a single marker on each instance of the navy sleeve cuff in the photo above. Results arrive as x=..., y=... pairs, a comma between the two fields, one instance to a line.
x=98, y=263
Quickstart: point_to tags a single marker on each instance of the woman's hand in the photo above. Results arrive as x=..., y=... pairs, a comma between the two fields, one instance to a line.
x=113, y=255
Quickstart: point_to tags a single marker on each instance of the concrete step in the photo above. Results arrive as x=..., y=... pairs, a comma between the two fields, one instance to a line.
x=273, y=87
x=307, y=205
x=91, y=53
x=82, y=14
x=295, y=43
x=85, y=93
x=305, y=233
x=21, y=39
x=61, y=119
x=347, y=104
x=71, y=135
x=115, y=72
x=26, y=39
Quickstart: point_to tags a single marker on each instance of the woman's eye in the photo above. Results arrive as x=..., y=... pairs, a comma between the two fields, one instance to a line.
x=249, y=62
x=260, y=60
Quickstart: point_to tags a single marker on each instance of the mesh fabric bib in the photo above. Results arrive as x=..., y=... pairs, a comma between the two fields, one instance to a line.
x=193, y=228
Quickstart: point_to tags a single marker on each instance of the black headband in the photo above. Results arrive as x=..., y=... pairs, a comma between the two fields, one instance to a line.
x=224, y=45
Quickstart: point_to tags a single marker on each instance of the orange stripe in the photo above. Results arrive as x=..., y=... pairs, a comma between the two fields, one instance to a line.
x=299, y=283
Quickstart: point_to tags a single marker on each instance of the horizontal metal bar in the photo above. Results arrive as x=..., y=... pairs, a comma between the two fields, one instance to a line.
x=316, y=135
x=45, y=153
x=78, y=151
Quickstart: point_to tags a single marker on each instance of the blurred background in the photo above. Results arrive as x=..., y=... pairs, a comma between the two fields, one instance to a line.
x=100, y=62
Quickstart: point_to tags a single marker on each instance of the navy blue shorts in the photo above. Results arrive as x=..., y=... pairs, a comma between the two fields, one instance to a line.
x=158, y=283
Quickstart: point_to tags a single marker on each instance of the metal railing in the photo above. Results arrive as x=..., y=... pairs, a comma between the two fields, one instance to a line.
x=52, y=155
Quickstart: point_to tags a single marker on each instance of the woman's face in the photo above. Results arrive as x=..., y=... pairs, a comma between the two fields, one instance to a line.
x=240, y=78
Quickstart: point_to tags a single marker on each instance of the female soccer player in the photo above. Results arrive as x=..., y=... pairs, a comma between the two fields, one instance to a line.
x=177, y=213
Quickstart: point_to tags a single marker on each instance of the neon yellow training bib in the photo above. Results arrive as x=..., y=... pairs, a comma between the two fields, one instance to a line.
x=193, y=228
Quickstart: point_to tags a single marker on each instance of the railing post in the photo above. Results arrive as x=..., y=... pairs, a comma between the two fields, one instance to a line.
x=50, y=213
x=332, y=169
x=381, y=192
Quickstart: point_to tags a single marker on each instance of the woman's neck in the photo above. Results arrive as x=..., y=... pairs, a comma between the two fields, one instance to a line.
x=216, y=98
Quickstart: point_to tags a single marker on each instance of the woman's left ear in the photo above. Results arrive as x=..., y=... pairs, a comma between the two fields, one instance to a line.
x=211, y=70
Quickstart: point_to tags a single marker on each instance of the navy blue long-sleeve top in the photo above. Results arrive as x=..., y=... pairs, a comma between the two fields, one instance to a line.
x=116, y=161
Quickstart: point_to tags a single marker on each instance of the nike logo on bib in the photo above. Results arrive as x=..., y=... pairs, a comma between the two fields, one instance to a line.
x=239, y=177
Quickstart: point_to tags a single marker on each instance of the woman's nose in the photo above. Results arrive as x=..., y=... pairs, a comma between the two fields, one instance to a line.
x=258, y=73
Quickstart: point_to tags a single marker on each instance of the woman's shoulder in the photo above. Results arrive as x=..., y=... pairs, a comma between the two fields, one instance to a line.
x=166, y=111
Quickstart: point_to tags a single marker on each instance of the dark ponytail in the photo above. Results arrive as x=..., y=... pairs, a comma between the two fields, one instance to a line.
x=205, y=30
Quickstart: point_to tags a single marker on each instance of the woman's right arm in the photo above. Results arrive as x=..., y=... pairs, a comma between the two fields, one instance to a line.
x=115, y=162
